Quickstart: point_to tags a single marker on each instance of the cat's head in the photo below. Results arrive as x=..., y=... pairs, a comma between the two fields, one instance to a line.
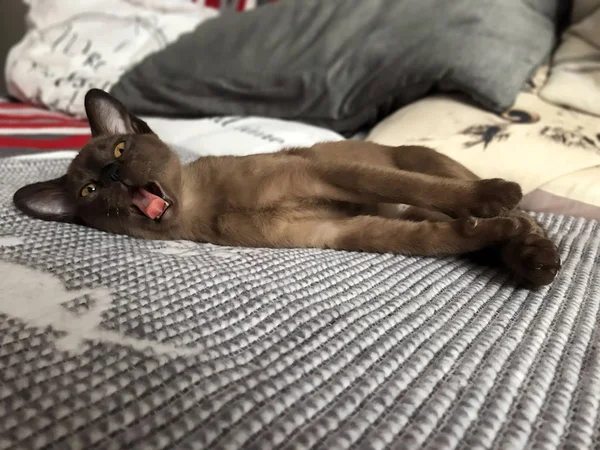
x=124, y=180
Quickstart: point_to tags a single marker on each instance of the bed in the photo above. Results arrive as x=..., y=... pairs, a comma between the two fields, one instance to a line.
x=112, y=342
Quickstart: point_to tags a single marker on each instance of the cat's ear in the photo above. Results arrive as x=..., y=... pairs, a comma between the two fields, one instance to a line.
x=47, y=200
x=108, y=116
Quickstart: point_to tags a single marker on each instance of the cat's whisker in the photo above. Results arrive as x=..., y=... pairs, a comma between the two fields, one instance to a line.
x=120, y=219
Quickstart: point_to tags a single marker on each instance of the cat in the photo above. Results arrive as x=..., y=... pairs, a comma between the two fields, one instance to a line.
x=337, y=195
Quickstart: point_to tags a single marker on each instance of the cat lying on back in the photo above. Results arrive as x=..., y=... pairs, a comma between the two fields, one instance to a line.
x=337, y=195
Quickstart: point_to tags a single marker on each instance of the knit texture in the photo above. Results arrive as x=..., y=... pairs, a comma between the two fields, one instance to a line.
x=117, y=343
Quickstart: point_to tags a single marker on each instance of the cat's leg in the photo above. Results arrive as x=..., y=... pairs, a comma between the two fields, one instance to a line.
x=533, y=258
x=427, y=160
x=363, y=183
x=411, y=213
x=369, y=173
x=372, y=234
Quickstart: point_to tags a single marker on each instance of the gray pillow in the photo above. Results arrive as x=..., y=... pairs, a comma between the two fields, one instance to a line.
x=344, y=64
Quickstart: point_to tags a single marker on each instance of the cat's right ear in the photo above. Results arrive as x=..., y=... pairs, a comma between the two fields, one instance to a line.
x=108, y=116
x=46, y=200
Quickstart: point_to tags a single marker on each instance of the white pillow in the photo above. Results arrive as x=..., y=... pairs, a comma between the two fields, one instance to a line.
x=74, y=45
x=238, y=135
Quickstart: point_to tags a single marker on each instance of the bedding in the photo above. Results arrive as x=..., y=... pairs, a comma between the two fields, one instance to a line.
x=574, y=194
x=237, y=135
x=575, y=77
x=73, y=45
x=344, y=64
x=29, y=130
x=582, y=8
x=25, y=129
x=112, y=342
x=329, y=64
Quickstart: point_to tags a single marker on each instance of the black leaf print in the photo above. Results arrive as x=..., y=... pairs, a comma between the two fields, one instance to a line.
x=485, y=134
x=570, y=138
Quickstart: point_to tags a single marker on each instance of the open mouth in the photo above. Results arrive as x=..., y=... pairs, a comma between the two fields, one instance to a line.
x=151, y=200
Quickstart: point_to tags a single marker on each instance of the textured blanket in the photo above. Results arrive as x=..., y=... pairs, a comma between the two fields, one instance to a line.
x=111, y=342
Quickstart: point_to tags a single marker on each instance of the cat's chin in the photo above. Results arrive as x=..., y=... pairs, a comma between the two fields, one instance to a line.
x=166, y=215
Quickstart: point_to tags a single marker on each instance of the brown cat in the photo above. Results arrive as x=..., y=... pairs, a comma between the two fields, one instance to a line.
x=338, y=195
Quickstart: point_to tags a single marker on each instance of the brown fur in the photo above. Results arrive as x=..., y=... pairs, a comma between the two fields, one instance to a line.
x=338, y=195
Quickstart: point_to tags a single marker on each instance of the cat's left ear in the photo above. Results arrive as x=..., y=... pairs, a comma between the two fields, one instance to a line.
x=108, y=116
x=46, y=200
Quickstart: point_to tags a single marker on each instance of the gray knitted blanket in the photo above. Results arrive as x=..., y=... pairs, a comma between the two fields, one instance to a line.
x=111, y=342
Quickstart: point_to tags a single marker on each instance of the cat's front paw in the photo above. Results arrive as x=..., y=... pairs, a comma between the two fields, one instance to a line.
x=534, y=259
x=494, y=197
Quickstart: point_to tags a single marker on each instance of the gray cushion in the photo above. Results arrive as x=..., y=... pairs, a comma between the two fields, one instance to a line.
x=345, y=64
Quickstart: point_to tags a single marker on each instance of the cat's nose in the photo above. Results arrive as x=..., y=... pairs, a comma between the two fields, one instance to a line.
x=110, y=173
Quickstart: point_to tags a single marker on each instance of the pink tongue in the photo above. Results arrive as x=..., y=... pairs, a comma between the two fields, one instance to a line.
x=150, y=204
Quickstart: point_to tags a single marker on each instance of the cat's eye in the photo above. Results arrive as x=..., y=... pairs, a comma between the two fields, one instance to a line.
x=119, y=149
x=88, y=189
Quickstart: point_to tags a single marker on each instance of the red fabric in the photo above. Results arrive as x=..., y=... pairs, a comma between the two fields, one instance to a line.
x=24, y=128
x=7, y=105
x=61, y=143
x=17, y=125
x=36, y=117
